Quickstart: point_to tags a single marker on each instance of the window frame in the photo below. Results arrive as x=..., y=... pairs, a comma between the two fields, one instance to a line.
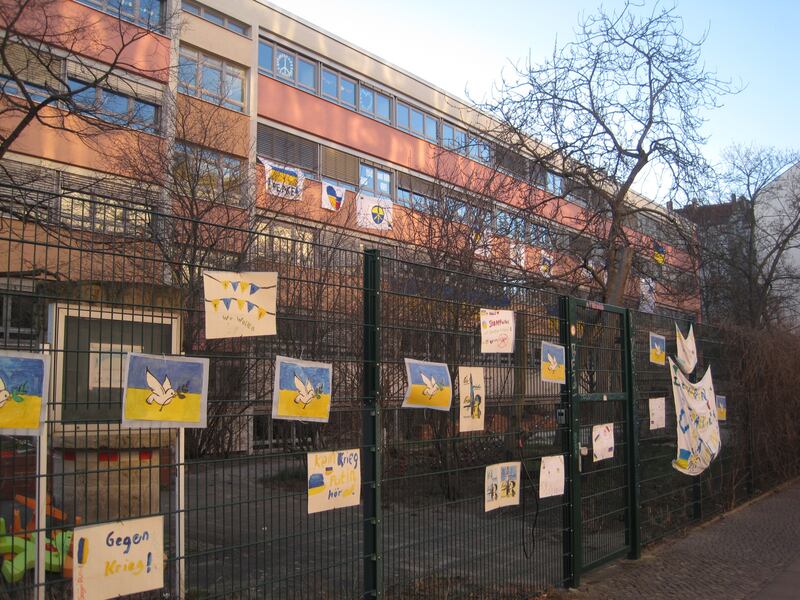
x=373, y=188
x=227, y=71
x=104, y=7
x=130, y=115
x=210, y=14
x=218, y=167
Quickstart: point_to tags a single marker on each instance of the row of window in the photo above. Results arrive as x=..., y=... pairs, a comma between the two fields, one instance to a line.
x=315, y=77
x=212, y=79
x=216, y=17
x=114, y=107
x=147, y=13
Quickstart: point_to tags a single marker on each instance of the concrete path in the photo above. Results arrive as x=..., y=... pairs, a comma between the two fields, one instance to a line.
x=752, y=552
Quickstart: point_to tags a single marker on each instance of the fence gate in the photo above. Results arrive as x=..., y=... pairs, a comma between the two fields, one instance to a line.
x=599, y=390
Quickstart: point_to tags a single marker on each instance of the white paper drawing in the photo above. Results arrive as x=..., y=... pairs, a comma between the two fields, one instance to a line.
x=239, y=304
x=657, y=414
x=472, y=399
x=551, y=476
x=501, y=485
x=602, y=441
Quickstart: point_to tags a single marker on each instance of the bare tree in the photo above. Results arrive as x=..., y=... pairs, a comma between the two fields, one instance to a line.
x=749, y=246
x=46, y=76
x=623, y=101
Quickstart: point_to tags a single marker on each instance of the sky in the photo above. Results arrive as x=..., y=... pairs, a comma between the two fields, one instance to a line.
x=464, y=46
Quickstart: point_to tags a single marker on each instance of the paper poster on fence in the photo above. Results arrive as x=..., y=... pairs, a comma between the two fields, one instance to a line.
x=429, y=385
x=239, y=304
x=551, y=476
x=23, y=392
x=118, y=559
x=722, y=408
x=554, y=365
x=501, y=485
x=657, y=413
x=658, y=349
x=302, y=390
x=696, y=421
x=497, y=331
x=334, y=480
x=687, y=350
x=472, y=399
x=165, y=391
x=602, y=442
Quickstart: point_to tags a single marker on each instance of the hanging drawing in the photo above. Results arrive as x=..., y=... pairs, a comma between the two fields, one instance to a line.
x=696, y=421
x=553, y=365
x=302, y=390
x=657, y=413
x=551, y=476
x=374, y=213
x=497, y=331
x=722, y=408
x=23, y=392
x=239, y=304
x=472, y=399
x=283, y=181
x=546, y=264
x=165, y=391
x=501, y=485
x=334, y=480
x=602, y=442
x=687, y=351
x=429, y=385
x=658, y=349
x=332, y=197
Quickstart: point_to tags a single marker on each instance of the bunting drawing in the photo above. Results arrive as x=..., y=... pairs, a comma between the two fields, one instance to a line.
x=239, y=304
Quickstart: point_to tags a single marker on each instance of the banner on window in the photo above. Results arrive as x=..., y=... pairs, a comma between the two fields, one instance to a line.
x=373, y=213
x=332, y=195
x=283, y=181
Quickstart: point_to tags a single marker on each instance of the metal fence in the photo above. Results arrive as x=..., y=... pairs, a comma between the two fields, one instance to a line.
x=87, y=291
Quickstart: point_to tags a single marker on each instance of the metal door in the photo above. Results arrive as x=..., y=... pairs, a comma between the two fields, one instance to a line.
x=599, y=388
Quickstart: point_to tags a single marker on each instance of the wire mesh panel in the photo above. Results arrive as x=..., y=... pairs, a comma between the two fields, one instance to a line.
x=599, y=367
x=108, y=281
x=437, y=540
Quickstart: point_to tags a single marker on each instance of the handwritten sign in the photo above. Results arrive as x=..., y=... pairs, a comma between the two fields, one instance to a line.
x=334, y=480
x=497, y=331
x=657, y=413
x=116, y=559
x=239, y=304
x=602, y=442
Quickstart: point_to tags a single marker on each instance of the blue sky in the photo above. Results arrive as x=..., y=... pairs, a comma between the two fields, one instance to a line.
x=465, y=45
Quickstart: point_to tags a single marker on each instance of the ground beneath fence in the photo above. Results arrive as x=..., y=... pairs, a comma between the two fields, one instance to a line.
x=736, y=556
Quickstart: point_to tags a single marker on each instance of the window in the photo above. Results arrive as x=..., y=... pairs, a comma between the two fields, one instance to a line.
x=114, y=107
x=555, y=184
x=375, y=180
x=347, y=91
x=383, y=107
x=82, y=210
x=306, y=74
x=287, y=148
x=402, y=116
x=90, y=363
x=509, y=225
x=17, y=325
x=212, y=79
x=210, y=174
x=330, y=84
x=448, y=136
x=284, y=64
x=539, y=235
x=213, y=16
x=285, y=243
x=148, y=13
x=265, y=56
x=431, y=128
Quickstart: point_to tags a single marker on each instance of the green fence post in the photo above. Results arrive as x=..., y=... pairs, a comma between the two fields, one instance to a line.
x=371, y=429
x=570, y=440
x=634, y=473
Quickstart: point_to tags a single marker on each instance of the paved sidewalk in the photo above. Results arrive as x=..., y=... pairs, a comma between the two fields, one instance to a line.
x=753, y=552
